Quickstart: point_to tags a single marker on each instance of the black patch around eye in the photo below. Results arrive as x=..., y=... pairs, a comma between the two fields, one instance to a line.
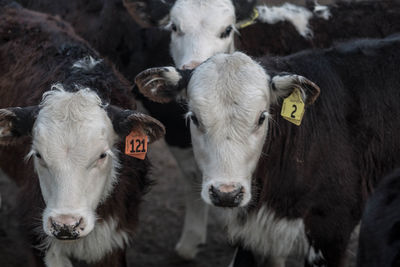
x=194, y=120
x=102, y=156
x=261, y=119
x=226, y=32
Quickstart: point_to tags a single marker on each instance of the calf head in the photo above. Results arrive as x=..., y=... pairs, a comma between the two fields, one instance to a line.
x=199, y=28
x=229, y=99
x=74, y=153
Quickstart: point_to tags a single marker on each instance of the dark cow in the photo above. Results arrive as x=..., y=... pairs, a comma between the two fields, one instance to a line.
x=379, y=242
x=200, y=29
x=83, y=201
x=288, y=189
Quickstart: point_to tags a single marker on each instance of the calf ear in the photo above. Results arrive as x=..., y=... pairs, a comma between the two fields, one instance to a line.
x=283, y=85
x=16, y=123
x=125, y=121
x=148, y=13
x=164, y=84
x=243, y=8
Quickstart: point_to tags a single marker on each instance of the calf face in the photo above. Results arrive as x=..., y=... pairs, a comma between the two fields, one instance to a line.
x=199, y=28
x=229, y=98
x=74, y=154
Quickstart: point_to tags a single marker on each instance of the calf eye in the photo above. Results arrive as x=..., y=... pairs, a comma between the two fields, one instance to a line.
x=194, y=120
x=226, y=32
x=102, y=156
x=261, y=119
x=38, y=155
x=173, y=27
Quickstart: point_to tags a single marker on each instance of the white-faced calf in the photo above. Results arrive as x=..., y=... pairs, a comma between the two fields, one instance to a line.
x=201, y=28
x=291, y=190
x=70, y=113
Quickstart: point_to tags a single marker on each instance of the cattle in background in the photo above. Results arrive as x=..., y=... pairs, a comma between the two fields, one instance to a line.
x=107, y=27
x=85, y=190
x=288, y=189
x=379, y=243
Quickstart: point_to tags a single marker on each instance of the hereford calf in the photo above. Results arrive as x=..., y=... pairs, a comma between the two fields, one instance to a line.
x=83, y=201
x=288, y=189
x=379, y=243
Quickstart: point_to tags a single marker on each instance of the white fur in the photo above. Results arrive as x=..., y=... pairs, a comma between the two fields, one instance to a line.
x=102, y=240
x=297, y=15
x=268, y=235
x=71, y=131
x=200, y=24
x=172, y=76
x=228, y=104
x=314, y=256
x=86, y=63
x=322, y=11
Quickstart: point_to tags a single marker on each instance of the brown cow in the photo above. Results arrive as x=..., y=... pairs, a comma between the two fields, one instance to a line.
x=83, y=201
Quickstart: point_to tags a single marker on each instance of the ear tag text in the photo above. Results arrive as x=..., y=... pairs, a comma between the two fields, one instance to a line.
x=293, y=107
x=136, y=145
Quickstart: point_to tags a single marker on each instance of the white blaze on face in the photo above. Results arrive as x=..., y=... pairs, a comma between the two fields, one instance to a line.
x=228, y=96
x=72, y=150
x=200, y=29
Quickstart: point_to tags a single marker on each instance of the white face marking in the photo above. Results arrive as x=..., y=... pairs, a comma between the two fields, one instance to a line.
x=73, y=155
x=228, y=139
x=196, y=28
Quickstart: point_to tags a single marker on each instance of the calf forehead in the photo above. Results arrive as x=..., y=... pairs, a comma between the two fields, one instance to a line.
x=191, y=14
x=228, y=85
x=70, y=121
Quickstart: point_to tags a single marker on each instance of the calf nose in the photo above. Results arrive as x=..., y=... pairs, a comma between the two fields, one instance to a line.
x=191, y=65
x=66, y=227
x=226, y=195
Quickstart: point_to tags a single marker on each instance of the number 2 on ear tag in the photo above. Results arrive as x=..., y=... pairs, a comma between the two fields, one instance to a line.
x=293, y=107
x=136, y=145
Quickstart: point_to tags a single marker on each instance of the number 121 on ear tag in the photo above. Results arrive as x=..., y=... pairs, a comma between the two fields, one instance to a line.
x=136, y=145
x=293, y=107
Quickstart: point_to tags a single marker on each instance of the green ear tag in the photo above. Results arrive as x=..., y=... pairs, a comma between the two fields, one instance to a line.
x=293, y=107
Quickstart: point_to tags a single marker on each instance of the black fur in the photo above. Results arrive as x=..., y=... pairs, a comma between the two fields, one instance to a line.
x=379, y=241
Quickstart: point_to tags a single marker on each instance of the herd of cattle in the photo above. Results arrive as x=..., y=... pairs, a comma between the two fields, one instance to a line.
x=289, y=137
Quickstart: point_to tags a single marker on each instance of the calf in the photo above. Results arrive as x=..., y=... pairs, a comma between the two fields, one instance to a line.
x=83, y=201
x=200, y=29
x=288, y=189
x=379, y=243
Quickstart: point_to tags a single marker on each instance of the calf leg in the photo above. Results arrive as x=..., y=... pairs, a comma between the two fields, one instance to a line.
x=194, y=231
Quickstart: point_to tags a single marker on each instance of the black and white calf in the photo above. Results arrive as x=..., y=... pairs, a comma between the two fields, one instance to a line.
x=68, y=111
x=288, y=189
x=199, y=30
x=379, y=242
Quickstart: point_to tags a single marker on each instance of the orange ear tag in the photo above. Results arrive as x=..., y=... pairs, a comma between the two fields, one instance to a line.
x=136, y=145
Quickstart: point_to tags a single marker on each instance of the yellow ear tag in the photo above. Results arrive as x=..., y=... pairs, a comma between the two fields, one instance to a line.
x=136, y=145
x=293, y=107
